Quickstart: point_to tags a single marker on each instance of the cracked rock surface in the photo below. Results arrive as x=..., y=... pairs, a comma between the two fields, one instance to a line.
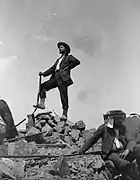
x=58, y=140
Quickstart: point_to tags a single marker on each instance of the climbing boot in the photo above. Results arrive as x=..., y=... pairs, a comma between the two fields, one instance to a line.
x=41, y=105
x=64, y=115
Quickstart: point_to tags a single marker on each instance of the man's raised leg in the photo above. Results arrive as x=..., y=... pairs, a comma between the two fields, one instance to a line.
x=46, y=86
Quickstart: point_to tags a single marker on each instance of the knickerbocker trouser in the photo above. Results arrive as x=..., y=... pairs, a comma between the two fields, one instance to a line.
x=53, y=83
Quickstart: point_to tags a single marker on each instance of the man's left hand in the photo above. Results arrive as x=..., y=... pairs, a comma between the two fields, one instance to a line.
x=124, y=154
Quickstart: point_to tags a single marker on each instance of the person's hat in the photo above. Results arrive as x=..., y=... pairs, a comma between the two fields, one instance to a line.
x=115, y=113
x=65, y=45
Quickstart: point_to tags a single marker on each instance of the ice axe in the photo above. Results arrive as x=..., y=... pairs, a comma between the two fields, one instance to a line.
x=35, y=106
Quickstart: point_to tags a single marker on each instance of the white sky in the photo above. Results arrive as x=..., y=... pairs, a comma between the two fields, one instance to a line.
x=104, y=35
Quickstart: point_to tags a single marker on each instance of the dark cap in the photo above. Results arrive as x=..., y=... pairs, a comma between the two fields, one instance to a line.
x=65, y=45
x=114, y=113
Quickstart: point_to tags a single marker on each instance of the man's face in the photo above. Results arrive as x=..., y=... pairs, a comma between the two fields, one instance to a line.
x=62, y=49
x=118, y=121
x=110, y=122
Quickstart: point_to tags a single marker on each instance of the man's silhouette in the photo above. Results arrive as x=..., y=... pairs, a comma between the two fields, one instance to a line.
x=60, y=77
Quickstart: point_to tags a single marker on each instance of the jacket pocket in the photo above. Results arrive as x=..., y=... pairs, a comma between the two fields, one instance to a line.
x=66, y=78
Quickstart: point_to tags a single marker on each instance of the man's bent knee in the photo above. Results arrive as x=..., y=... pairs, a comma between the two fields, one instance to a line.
x=136, y=150
x=119, y=162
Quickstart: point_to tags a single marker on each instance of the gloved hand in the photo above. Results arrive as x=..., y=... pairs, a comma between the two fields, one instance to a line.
x=40, y=73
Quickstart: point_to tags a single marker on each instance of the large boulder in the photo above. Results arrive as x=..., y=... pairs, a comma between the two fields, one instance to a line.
x=88, y=133
x=80, y=125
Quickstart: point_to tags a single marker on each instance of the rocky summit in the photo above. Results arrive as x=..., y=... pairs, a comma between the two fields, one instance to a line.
x=45, y=151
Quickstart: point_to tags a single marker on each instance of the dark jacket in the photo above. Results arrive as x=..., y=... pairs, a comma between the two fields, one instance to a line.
x=6, y=115
x=67, y=63
x=107, y=135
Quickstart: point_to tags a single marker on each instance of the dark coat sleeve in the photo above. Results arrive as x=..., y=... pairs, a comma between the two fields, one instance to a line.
x=131, y=142
x=90, y=142
x=6, y=115
x=73, y=62
x=49, y=71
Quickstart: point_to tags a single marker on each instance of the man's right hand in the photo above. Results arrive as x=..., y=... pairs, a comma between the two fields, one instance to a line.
x=40, y=73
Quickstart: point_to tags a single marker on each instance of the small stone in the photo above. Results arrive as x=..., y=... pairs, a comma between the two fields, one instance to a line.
x=80, y=142
x=23, y=148
x=61, y=167
x=88, y=133
x=48, y=130
x=30, y=122
x=69, y=140
x=75, y=134
x=3, y=149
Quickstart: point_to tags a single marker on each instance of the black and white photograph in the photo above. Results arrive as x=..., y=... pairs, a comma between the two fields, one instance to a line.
x=69, y=89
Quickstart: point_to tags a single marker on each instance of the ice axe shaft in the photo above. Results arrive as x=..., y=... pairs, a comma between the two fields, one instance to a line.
x=37, y=101
x=22, y=137
x=20, y=122
x=40, y=78
x=50, y=156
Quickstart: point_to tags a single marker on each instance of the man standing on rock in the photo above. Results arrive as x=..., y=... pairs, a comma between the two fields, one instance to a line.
x=117, y=144
x=6, y=119
x=60, y=77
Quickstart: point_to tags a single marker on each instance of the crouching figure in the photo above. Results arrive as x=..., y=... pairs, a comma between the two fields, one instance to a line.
x=118, y=146
x=7, y=126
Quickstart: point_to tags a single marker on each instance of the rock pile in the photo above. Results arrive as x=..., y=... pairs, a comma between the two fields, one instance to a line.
x=73, y=136
x=56, y=141
x=49, y=154
x=56, y=130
